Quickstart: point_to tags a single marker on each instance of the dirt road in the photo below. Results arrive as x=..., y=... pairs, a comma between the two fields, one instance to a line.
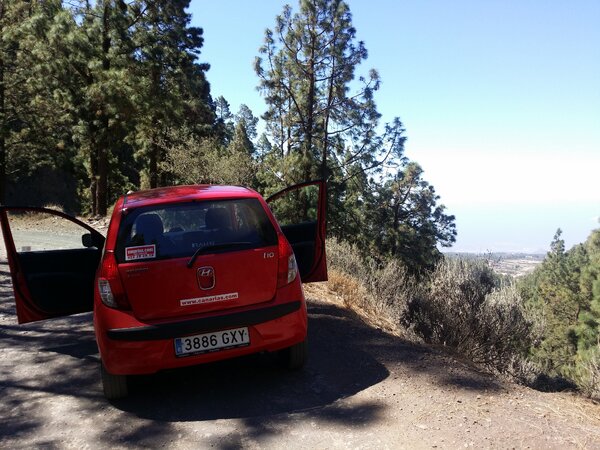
x=361, y=389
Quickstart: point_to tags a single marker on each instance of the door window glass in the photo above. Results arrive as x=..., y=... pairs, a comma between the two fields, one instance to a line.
x=40, y=231
x=296, y=206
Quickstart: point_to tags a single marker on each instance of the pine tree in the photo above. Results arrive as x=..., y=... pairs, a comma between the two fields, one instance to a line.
x=224, y=125
x=10, y=18
x=414, y=224
x=14, y=75
x=5, y=48
x=35, y=136
x=241, y=142
x=245, y=116
x=307, y=65
x=588, y=328
x=83, y=57
x=563, y=295
x=172, y=91
x=558, y=298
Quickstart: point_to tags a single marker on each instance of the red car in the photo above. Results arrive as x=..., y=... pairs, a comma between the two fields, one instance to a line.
x=186, y=275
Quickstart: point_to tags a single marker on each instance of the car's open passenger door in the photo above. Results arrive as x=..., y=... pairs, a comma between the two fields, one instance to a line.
x=53, y=259
x=301, y=213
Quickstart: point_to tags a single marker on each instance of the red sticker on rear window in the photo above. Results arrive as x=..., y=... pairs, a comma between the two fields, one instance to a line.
x=141, y=252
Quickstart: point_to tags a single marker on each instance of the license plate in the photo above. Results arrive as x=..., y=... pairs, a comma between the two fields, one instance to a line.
x=212, y=342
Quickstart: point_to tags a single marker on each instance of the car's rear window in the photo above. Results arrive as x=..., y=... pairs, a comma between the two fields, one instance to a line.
x=179, y=230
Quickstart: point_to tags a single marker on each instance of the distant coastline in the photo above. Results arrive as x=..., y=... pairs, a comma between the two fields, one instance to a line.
x=514, y=264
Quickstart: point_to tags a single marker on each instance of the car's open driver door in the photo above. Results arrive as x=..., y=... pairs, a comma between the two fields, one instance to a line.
x=53, y=259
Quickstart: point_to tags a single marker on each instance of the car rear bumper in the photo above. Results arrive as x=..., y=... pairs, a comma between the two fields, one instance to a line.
x=128, y=347
x=204, y=324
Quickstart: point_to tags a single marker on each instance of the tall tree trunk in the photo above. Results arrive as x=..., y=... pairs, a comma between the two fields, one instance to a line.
x=3, y=128
x=154, y=148
x=103, y=143
x=311, y=107
x=395, y=224
x=94, y=171
x=310, y=119
x=281, y=132
x=155, y=90
x=288, y=128
x=3, y=124
x=325, y=146
x=102, y=186
x=153, y=163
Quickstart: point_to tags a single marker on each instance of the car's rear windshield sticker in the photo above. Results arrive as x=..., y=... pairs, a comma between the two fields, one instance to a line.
x=140, y=252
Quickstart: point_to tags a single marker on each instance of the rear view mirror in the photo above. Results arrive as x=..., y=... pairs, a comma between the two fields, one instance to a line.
x=91, y=240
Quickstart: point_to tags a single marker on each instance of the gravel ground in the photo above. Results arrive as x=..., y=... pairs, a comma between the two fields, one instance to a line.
x=362, y=388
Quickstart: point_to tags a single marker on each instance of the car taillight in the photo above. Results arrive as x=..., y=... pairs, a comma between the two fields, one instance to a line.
x=288, y=269
x=110, y=287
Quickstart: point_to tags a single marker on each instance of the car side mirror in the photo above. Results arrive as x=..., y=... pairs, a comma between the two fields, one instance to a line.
x=90, y=240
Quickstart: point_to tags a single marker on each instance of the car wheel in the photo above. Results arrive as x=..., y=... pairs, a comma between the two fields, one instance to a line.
x=114, y=386
x=294, y=357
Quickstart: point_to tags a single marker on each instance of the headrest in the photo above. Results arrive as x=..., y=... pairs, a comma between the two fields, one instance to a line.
x=217, y=218
x=150, y=226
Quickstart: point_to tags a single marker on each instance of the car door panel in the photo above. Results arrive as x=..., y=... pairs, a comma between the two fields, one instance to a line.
x=49, y=282
x=61, y=281
x=302, y=239
x=305, y=232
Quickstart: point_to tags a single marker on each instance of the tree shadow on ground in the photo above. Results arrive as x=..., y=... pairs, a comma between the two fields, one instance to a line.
x=346, y=357
x=254, y=386
x=58, y=358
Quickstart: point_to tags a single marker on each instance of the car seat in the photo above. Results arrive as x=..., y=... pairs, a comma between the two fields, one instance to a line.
x=149, y=230
x=218, y=223
x=149, y=227
x=217, y=219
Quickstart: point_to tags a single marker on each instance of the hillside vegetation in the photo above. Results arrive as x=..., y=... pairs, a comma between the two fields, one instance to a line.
x=541, y=330
x=563, y=297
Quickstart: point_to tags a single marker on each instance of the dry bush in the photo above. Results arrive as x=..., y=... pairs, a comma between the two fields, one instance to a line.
x=503, y=333
x=352, y=292
x=347, y=258
x=462, y=304
x=384, y=291
x=393, y=289
x=455, y=292
x=468, y=308
x=55, y=207
x=587, y=375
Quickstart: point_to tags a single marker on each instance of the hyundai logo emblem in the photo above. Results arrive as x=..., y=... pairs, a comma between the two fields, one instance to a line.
x=206, y=278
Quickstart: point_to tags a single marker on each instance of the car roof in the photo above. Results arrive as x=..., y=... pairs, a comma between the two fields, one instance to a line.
x=177, y=194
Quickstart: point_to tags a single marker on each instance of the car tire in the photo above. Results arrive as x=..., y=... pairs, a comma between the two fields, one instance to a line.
x=294, y=357
x=114, y=386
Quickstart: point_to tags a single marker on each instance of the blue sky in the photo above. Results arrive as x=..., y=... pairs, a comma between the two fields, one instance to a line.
x=500, y=100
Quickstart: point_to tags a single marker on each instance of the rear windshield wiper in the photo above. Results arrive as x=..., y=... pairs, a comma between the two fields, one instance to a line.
x=206, y=248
